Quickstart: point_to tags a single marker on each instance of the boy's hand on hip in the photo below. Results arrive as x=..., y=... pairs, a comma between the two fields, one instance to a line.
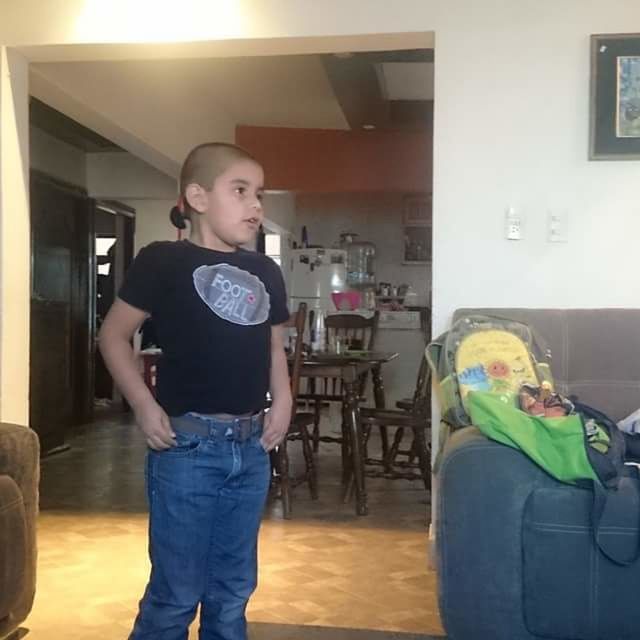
x=276, y=425
x=155, y=425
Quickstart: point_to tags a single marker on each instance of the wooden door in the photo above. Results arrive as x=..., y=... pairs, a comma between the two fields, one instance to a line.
x=60, y=362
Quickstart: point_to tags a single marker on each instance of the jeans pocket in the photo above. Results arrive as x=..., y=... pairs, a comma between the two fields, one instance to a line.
x=256, y=441
x=186, y=444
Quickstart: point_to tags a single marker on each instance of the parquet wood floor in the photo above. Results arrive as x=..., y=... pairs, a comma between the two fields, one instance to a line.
x=325, y=567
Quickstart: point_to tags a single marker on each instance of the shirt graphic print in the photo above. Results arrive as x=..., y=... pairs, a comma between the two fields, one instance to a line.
x=232, y=294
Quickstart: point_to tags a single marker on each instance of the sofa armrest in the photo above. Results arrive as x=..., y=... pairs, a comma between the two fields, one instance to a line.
x=482, y=491
x=13, y=547
x=20, y=458
x=20, y=474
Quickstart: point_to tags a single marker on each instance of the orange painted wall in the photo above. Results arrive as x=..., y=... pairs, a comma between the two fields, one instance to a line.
x=332, y=161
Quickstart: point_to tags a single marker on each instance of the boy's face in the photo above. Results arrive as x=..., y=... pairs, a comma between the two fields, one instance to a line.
x=232, y=210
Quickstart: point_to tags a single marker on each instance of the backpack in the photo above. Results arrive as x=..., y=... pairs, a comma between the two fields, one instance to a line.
x=584, y=448
x=608, y=462
x=485, y=353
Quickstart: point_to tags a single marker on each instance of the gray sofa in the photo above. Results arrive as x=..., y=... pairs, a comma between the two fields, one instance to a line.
x=19, y=475
x=514, y=548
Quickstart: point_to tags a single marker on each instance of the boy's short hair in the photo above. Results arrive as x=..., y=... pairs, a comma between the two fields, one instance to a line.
x=202, y=166
x=206, y=162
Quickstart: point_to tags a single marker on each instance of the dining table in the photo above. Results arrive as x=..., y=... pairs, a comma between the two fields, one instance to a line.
x=350, y=366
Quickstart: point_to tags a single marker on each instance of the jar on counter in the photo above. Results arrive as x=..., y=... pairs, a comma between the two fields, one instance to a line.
x=360, y=260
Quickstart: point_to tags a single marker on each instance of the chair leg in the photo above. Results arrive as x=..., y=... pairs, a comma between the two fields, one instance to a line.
x=346, y=455
x=384, y=437
x=311, y=473
x=347, y=494
x=393, y=451
x=413, y=451
x=366, y=434
x=347, y=470
x=285, y=484
x=316, y=425
x=275, y=468
x=423, y=456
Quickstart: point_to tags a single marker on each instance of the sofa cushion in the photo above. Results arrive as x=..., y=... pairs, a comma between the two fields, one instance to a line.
x=563, y=571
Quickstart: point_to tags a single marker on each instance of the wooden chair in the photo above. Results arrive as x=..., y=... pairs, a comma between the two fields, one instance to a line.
x=356, y=332
x=406, y=404
x=298, y=430
x=418, y=421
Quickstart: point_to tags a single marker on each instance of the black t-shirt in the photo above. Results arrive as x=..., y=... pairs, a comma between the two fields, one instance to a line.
x=212, y=312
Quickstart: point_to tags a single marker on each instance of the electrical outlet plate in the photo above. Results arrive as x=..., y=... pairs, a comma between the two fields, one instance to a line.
x=513, y=225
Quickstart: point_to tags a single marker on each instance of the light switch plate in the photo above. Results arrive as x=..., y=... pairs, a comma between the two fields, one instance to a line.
x=558, y=226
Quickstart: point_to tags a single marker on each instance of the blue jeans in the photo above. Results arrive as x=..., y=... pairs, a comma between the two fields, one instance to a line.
x=206, y=498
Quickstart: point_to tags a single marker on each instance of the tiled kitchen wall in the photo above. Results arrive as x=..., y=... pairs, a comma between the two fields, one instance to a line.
x=374, y=217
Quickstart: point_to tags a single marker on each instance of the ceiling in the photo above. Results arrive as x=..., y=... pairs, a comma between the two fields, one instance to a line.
x=63, y=128
x=173, y=104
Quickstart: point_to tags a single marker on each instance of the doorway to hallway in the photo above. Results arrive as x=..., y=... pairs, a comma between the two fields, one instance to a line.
x=65, y=374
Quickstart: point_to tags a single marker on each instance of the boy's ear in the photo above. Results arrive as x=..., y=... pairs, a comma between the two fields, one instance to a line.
x=196, y=196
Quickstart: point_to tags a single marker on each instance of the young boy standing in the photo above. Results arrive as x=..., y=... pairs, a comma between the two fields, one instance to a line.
x=218, y=312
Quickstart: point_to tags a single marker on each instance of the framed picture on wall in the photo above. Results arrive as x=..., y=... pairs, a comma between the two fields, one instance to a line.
x=417, y=210
x=615, y=97
x=417, y=245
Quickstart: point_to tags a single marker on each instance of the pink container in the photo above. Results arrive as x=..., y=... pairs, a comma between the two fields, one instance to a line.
x=346, y=300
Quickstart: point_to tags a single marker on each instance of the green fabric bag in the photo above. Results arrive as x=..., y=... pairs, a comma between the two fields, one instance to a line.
x=557, y=445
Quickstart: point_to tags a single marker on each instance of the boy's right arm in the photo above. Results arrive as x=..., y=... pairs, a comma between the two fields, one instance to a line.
x=116, y=332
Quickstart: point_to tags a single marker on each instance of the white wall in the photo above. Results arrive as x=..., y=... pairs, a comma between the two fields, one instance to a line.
x=119, y=175
x=147, y=102
x=280, y=211
x=231, y=23
x=108, y=175
x=375, y=218
x=15, y=238
x=97, y=116
x=152, y=220
x=122, y=176
x=511, y=128
x=57, y=158
x=511, y=123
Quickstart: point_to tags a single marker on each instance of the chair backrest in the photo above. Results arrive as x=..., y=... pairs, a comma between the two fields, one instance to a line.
x=359, y=332
x=421, y=406
x=297, y=320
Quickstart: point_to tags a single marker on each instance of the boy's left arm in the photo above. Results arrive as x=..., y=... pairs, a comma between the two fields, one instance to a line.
x=277, y=419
